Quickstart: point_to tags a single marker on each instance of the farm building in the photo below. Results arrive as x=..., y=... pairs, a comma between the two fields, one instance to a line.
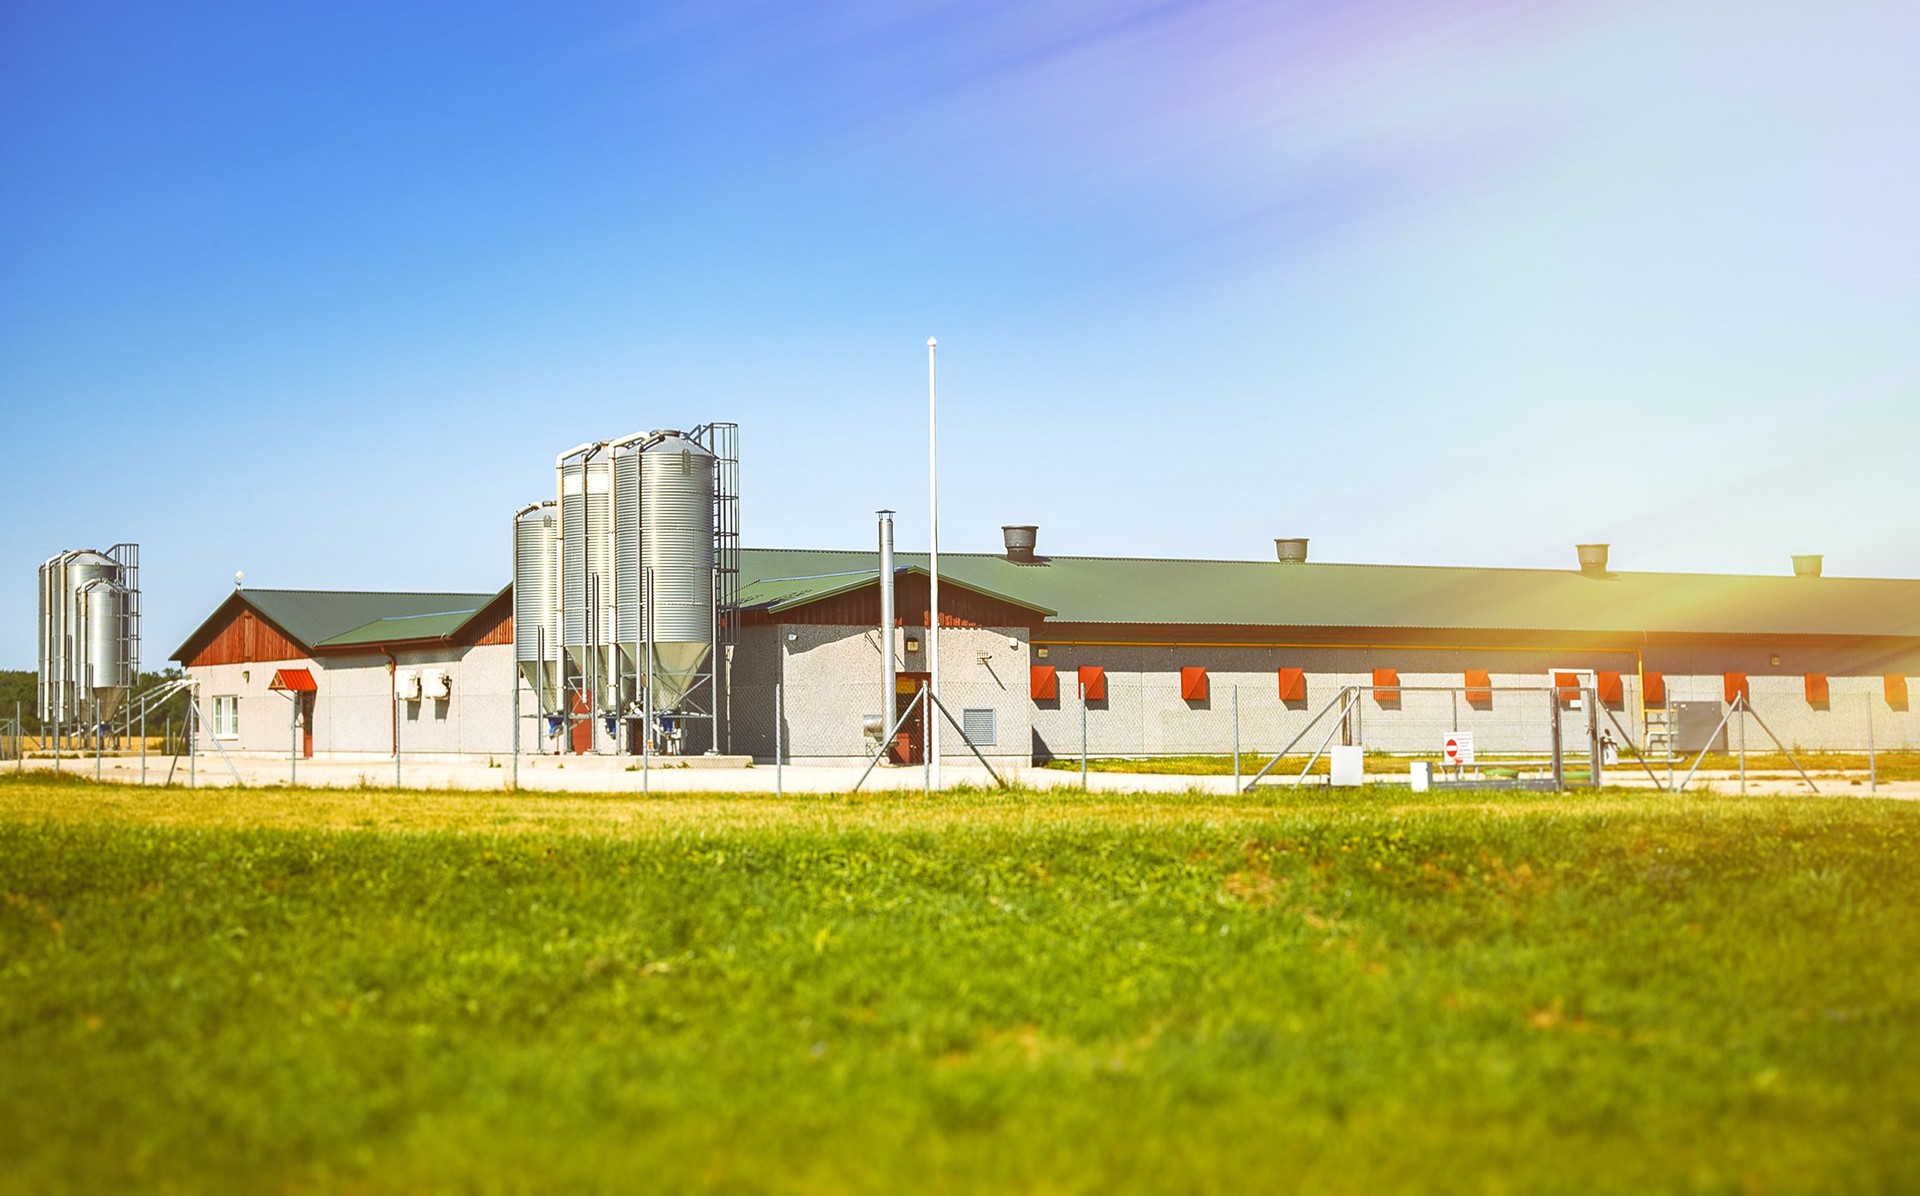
x=358, y=670
x=1137, y=656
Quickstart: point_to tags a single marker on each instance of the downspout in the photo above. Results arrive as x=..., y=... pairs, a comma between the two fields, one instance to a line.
x=393, y=692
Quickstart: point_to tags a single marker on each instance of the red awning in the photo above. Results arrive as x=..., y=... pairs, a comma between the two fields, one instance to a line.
x=293, y=680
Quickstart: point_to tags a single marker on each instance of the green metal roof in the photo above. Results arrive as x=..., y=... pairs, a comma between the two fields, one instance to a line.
x=777, y=594
x=439, y=625
x=316, y=617
x=1125, y=590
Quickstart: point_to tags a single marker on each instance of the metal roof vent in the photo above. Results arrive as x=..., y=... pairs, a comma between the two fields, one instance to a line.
x=1020, y=539
x=1291, y=551
x=1807, y=566
x=1593, y=558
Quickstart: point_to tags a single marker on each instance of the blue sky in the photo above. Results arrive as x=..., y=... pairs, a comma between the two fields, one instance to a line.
x=318, y=291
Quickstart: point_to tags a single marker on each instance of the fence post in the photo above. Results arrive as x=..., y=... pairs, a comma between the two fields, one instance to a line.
x=1741, y=702
x=779, y=777
x=1559, y=765
x=143, y=745
x=513, y=782
x=1083, y=737
x=1873, y=771
x=398, y=718
x=1236, y=739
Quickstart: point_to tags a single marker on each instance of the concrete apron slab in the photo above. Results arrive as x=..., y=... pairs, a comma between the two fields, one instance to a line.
x=620, y=774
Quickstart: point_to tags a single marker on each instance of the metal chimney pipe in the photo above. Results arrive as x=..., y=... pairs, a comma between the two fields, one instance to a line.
x=1807, y=565
x=892, y=666
x=1290, y=550
x=1593, y=557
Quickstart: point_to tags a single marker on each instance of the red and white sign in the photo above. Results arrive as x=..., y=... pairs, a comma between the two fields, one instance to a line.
x=1457, y=748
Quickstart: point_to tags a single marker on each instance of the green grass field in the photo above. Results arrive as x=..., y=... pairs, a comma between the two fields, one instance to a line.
x=1887, y=766
x=373, y=991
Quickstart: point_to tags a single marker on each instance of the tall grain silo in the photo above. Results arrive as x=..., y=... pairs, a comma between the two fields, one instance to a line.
x=536, y=600
x=676, y=560
x=586, y=576
x=89, y=642
x=628, y=594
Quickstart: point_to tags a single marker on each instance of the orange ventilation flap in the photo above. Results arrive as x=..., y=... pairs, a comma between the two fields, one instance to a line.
x=1479, y=687
x=1897, y=690
x=1193, y=684
x=1736, y=687
x=1567, y=686
x=1293, y=685
x=1609, y=688
x=1045, y=683
x=1386, y=685
x=1093, y=683
x=1653, y=687
x=1817, y=688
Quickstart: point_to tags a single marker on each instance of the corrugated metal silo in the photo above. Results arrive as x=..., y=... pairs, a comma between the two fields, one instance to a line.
x=88, y=633
x=536, y=601
x=676, y=550
x=573, y=559
x=628, y=614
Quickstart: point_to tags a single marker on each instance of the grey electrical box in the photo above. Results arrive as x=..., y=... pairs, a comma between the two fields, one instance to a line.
x=1694, y=724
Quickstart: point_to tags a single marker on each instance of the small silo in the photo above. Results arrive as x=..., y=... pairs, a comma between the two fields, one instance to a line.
x=676, y=557
x=536, y=600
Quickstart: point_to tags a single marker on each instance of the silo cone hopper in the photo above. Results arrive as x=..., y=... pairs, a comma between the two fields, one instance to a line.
x=676, y=670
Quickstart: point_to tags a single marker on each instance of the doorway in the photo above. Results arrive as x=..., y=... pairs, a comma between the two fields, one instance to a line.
x=910, y=742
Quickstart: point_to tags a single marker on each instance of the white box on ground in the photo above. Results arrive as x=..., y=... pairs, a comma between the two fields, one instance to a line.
x=1348, y=765
x=1420, y=776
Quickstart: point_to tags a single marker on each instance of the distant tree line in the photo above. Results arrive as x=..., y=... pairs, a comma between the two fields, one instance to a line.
x=22, y=686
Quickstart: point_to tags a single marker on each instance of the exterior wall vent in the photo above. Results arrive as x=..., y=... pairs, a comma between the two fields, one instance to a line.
x=1291, y=550
x=1807, y=566
x=1593, y=558
x=1020, y=538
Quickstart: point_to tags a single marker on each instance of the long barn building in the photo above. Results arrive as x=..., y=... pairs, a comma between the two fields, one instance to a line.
x=1128, y=656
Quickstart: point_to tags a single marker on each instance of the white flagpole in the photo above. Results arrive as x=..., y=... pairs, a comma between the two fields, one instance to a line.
x=933, y=596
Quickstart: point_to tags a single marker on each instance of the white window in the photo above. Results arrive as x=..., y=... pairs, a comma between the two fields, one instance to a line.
x=978, y=723
x=226, y=716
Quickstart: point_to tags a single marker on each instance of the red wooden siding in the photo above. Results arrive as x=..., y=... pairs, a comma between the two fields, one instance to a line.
x=491, y=627
x=245, y=639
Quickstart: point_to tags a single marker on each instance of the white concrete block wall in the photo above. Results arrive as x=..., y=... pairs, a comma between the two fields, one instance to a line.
x=831, y=678
x=264, y=714
x=1144, y=713
x=353, y=708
